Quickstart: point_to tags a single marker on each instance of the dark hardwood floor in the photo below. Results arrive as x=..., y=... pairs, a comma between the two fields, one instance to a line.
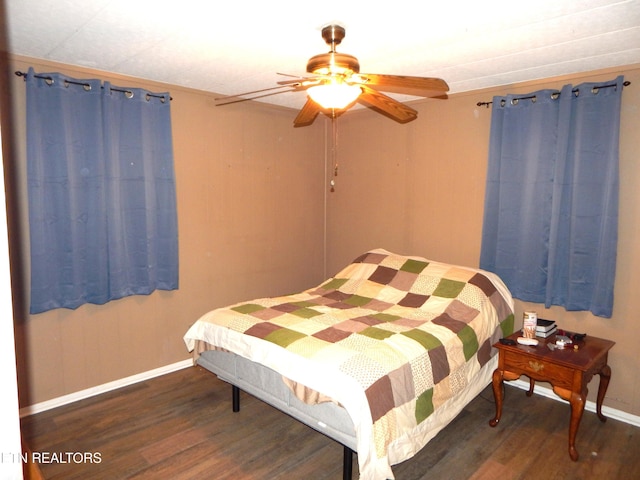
x=180, y=426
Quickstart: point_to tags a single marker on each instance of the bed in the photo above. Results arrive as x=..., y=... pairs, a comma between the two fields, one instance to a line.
x=380, y=357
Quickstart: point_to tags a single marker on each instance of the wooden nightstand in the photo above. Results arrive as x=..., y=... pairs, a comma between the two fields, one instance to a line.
x=567, y=370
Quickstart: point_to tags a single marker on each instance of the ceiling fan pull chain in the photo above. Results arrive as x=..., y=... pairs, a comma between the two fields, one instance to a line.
x=334, y=151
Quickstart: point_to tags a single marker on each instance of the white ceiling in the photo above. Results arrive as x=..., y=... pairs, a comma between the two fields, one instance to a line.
x=236, y=46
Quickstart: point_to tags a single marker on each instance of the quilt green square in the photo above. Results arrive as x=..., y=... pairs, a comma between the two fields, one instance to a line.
x=334, y=283
x=448, y=288
x=377, y=333
x=248, y=308
x=284, y=337
x=385, y=317
x=470, y=343
x=424, y=405
x=507, y=325
x=414, y=266
x=357, y=300
x=306, y=313
x=427, y=340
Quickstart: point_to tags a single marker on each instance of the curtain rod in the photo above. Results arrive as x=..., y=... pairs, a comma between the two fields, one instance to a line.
x=126, y=92
x=626, y=83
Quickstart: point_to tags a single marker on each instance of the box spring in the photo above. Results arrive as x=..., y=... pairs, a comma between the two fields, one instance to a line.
x=267, y=385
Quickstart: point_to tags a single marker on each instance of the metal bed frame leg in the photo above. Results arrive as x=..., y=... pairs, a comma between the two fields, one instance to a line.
x=235, y=398
x=347, y=464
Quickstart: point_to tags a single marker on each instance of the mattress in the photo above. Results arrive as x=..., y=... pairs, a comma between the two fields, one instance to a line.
x=390, y=338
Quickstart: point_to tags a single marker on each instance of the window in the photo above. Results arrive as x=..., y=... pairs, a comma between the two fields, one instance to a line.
x=102, y=196
x=551, y=206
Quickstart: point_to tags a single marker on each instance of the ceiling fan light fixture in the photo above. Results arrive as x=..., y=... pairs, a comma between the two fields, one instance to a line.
x=334, y=95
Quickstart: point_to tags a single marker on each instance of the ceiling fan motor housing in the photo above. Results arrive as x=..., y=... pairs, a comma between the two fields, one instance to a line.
x=336, y=63
x=333, y=62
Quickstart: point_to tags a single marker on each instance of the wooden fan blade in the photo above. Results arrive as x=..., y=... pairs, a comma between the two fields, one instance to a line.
x=307, y=114
x=386, y=105
x=419, y=86
x=290, y=75
x=301, y=83
x=243, y=97
x=293, y=81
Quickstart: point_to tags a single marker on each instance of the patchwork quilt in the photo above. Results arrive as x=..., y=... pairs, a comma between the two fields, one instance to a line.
x=390, y=337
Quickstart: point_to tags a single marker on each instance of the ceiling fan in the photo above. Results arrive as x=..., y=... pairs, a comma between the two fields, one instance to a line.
x=336, y=84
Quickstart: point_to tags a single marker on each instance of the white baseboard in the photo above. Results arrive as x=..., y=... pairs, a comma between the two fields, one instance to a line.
x=123, y=382
x=97, y=390
x=590, y=406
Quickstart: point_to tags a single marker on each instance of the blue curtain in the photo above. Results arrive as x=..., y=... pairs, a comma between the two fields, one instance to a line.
x=551, y=207
x=102, y=199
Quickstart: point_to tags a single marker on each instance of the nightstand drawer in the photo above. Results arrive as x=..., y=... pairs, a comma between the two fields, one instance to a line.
x=539, y=369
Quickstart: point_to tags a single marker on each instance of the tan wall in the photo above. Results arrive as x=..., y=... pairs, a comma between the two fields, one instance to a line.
x=250, y=215
x=251, y=199
x=419, y=189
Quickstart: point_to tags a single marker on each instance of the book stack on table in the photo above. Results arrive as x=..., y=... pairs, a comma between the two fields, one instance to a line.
x=545, y=328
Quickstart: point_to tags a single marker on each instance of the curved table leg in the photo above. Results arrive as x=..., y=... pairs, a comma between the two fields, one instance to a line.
x=577, y=402
x=498, y=395
x=532, y=384
x=605, y=376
